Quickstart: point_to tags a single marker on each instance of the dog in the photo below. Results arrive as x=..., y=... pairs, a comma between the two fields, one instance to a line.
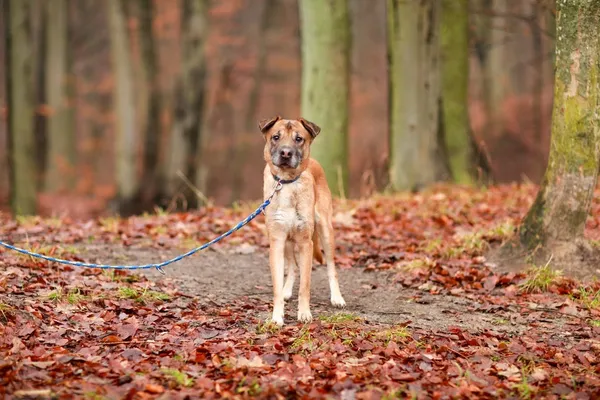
x=299, y=218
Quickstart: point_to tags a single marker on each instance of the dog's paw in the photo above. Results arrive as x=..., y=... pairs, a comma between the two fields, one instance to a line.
x=304, y=316
x=277, y=320
x=338, y=301
x=287, y=293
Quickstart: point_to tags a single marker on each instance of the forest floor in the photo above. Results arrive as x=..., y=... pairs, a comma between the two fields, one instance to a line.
x=427, y=316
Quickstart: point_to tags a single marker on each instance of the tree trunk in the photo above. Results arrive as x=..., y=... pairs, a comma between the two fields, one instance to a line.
x=60, y=133
x=20, y=94
x=151, y=190
x=186, y=144
x=127, y=182
x=325, y=29
x=564, y=199
x=455, y=81
x=417, y=150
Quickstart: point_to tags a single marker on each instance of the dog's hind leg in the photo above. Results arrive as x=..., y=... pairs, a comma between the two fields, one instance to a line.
x=290, y=265
x=325, y=229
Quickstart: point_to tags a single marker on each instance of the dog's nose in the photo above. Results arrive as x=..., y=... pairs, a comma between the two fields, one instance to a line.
x=285, y=153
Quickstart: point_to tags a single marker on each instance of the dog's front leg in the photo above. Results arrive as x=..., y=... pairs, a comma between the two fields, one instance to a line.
x=304, y=251
x=277, y=264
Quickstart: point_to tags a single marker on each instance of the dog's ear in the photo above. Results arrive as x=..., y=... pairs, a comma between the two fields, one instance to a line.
x=311, y=127
x=267, y=124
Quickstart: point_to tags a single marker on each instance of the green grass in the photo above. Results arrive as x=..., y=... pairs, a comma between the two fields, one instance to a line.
x=595, y=323
x=5, y=310
x=588, y=297
x=339, y=318
x=73, y=296
x=524, y=390
x=540, y=278
x=413, y=265
x=142, y=296
x=397, y=334
x=267, y=327
x=253, y=389
x=179, y=377
x=304, y=340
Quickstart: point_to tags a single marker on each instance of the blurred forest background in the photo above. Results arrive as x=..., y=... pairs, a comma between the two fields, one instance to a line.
x=188, y=80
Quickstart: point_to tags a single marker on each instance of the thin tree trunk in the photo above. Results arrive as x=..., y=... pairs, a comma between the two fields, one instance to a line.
x=241, y=151
x=417, y=150
x=151, y=190
x=564, y=200
x=60, y=133
x=495, y=66
x=325, y=29
x=186, y=144
x=20, y=93
x=455, y=81
x=127, y=182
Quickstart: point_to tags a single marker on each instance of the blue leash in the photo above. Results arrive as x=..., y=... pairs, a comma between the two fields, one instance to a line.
x=159, y=266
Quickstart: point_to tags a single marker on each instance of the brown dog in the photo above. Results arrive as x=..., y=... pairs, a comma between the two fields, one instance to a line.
x=299, y=215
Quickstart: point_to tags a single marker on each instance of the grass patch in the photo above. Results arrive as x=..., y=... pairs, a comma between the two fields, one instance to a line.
x=303, y=342
x=73, y=296
x=5, y=310
x=250, y=389
x=523, y=389
x=419, y=264
x=539, y=279
x=267, y=327
x=110, y=224
x=500, y=321
x=588, y=297
x=339, y=318
x=397, y=334
x=142, y=295
x=595, y=323
x=179, y=377
x=120, y=276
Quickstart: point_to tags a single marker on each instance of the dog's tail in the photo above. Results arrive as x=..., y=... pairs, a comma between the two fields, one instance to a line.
x=317, y=253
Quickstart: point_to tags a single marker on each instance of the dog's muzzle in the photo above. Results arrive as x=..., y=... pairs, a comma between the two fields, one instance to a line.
x=286, y=157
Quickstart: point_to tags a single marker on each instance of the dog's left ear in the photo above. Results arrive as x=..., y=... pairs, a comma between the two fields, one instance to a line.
x=267, y=124
x=311, y=127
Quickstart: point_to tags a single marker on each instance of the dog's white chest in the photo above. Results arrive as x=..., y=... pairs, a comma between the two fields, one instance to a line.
x=285, y=212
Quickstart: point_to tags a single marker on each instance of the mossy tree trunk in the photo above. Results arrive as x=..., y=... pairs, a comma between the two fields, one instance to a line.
x=20, y=93
x=417, y=151
x=126, y=177
x=564, y=199
x=61, y=153
x=186, y=139
x=455, y=81
x=325, y=27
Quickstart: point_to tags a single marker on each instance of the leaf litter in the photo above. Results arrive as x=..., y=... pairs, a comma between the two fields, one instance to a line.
x=126, y=335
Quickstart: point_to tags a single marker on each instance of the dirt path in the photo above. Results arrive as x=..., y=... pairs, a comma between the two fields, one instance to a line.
x=220, y=276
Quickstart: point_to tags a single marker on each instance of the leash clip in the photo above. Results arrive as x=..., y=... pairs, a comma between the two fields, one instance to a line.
x=278, y=186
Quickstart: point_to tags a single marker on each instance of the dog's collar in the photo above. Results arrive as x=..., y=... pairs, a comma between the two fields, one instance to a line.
x=286, y=181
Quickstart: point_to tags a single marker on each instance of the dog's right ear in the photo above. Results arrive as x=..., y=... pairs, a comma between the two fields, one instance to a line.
x=267, y=124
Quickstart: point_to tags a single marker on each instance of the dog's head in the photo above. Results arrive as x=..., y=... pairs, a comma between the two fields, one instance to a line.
x=287, y=141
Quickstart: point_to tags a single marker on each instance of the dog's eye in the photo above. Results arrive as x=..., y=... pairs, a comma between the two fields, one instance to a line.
x=299, y=139
x=275, y=137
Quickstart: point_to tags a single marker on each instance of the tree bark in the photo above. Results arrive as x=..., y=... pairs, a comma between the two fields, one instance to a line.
x=153, y=180
x=564, y=199
x=61, y=156
x=186, y=139
x=417, y=150
x=127, y=182
x=20, y=93
x=455, y=82
x=325, y=30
